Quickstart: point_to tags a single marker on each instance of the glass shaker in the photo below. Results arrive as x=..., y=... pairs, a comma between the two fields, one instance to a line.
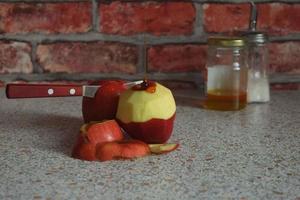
x=226, y=74
x=258, y=61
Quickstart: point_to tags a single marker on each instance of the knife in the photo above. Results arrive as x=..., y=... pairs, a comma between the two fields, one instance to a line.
x=21, y=90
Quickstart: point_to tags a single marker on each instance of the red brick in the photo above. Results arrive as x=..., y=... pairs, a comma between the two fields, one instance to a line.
x=284, y=57
x=151, y=17
x=177, y=58
x=275, y=18
x=45, y=17
x=15, y=57
x=226, y=17
x=88, y=57
x=279, y=18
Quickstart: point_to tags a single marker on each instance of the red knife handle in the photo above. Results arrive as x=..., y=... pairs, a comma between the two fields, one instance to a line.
x=42, y=90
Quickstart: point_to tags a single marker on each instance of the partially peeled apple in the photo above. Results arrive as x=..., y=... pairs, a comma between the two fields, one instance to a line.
x=147, y=112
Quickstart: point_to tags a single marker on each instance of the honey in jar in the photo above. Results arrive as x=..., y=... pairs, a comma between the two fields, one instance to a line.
x=226, y=78
x=225, y=100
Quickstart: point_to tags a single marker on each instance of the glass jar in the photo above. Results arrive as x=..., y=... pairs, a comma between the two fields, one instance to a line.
x=258, y=61
x=226, y=74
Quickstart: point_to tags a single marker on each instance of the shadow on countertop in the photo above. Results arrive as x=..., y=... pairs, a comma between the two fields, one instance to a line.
x=51, y=132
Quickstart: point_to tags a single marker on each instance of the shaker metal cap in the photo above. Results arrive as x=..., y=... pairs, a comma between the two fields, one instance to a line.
x=227, y=41
x=256, y=37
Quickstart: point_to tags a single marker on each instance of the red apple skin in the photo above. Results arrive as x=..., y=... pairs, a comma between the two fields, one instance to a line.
x=84, y=150
x=93, y=134
x=105, y=103
x=126, y=149
x=106, y=131
x=133, y=149
x=154, y=131
x=108, y=151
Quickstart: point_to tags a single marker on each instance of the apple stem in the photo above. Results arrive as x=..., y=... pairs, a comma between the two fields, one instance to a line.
x=145, y=84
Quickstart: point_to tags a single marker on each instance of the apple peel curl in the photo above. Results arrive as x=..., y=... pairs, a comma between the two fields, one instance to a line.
x=162, y=148
x=104, y=141
x=126, y=149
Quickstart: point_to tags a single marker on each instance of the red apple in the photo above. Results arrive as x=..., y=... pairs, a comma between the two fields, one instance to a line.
x=104, y=105
x=147, y=112
x=126, y=149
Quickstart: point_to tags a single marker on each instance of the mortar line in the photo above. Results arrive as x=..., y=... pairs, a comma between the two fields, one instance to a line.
x=36, y=67
x=206, y=1
x=198, y=25
x=285, y=38
x=195, y=77
x=135, y=39
x=42, y=1
x=95, y=17
x=158, y=1
x=141, y=67
x=94, y=76
x=92, y=36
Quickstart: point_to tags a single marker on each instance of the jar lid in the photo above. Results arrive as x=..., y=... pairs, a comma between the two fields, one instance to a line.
x=227, y=41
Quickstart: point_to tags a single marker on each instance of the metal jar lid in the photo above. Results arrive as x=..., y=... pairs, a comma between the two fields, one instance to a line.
x=226, y=41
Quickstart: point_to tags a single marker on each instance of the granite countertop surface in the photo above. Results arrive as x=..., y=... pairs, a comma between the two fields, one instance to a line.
x=249, y=154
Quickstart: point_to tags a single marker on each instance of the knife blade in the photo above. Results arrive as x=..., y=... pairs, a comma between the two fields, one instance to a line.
x=90, y=90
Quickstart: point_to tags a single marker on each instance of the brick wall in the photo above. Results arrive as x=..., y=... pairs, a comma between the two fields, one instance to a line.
x=44, y=40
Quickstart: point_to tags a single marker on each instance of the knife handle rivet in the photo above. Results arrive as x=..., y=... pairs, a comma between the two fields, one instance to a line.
x=72, y=91
x=50, y=91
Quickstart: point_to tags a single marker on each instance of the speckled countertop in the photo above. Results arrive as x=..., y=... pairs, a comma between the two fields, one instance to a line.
x=250, y=154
